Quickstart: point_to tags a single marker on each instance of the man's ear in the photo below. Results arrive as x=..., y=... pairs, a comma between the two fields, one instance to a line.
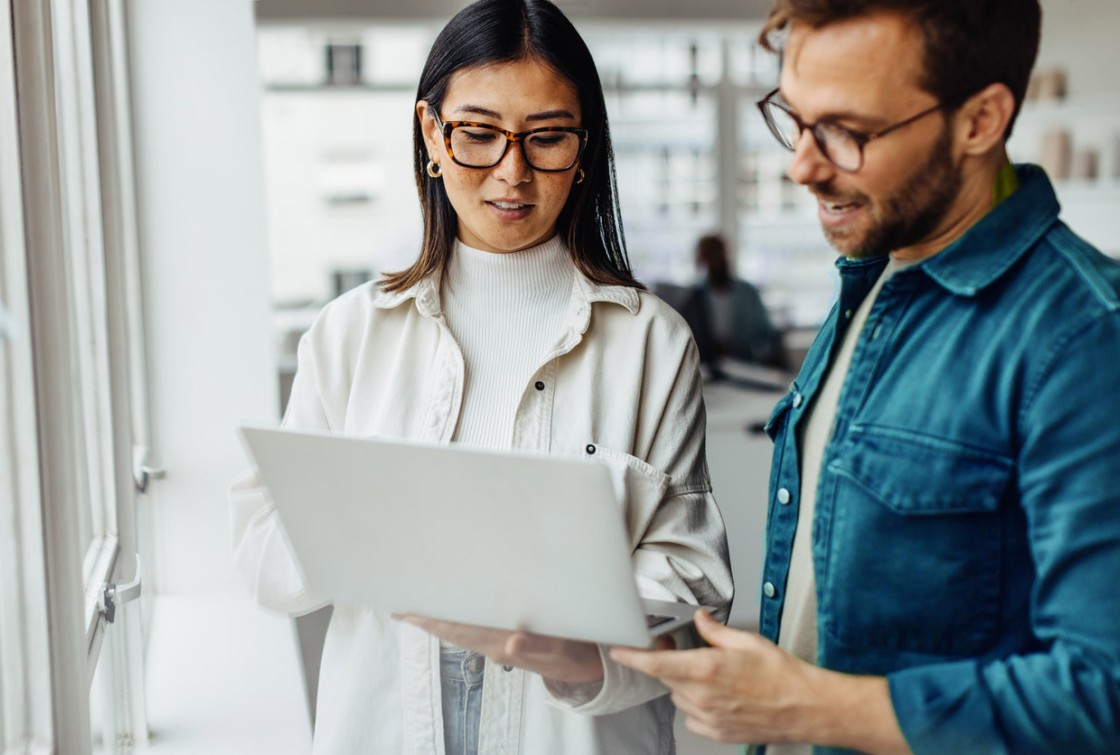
x=982, y=120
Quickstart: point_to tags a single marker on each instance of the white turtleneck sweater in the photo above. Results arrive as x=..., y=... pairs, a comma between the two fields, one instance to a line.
x=505, y=311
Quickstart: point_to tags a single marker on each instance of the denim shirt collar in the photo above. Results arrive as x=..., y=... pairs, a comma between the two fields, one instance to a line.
x=989, y=248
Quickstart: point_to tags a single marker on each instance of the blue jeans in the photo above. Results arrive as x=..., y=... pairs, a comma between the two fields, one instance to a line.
x=461, y=691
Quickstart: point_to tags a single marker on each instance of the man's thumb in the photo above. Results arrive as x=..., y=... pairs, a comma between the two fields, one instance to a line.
x=716, y=634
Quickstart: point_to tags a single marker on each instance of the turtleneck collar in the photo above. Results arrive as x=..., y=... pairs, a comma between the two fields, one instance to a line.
x=551, y=254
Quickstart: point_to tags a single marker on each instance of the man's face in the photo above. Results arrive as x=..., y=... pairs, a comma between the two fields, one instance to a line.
x=863, y=74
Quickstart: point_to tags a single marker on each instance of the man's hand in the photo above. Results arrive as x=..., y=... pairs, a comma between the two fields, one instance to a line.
x=745, y=689
x=555, y=659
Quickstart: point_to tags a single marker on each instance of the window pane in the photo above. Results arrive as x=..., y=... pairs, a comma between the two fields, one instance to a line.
x=80, y=168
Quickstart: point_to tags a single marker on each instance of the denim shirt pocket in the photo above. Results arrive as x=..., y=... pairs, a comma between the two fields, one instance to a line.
x=915, y=549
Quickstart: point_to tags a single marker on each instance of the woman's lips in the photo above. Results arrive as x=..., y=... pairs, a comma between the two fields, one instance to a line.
x=509, y=210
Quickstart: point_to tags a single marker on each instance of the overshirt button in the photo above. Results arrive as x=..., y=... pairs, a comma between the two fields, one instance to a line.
x=590, y=448
x=797, y=399
x=507, y=668
x=783, y=496
x=848, y=314
x=539, y=385
x=769, y=590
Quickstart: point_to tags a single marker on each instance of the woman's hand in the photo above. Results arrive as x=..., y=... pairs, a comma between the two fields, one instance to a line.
x=555, y=659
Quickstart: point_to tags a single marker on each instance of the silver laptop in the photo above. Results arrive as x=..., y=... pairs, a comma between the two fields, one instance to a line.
x=503, y=540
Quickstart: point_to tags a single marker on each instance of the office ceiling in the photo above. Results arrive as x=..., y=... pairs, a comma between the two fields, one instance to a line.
x=284, y=11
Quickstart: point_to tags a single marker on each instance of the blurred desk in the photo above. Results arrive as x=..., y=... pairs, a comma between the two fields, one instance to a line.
x=739, y=462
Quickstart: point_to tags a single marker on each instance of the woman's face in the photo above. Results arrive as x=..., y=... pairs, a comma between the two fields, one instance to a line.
x=510, y=206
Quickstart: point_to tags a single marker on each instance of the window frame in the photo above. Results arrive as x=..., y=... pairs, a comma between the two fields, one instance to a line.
x=26, y=702
x=69, y=274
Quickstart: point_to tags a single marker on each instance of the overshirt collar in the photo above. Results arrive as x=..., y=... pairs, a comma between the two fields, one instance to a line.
x=624, y=296
x=585, y=292
x=425, y=292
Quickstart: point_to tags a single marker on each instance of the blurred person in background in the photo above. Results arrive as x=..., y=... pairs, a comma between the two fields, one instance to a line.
x=738, y=324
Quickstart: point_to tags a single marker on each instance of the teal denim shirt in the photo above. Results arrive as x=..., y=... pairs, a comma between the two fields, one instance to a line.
x=966, y=542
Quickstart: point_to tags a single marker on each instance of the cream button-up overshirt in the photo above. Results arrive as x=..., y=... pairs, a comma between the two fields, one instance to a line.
x=623, y=378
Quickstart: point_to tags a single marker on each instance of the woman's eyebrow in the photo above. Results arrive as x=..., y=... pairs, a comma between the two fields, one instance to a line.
x=543, y=116
x=549, y=115
x=478, y=110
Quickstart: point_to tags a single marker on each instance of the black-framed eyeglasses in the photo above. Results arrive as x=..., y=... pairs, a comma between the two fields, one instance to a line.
x=479, y=145
x=841, y=146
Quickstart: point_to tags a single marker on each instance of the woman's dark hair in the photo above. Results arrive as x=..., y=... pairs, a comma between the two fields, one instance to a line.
x=969, y=44
x=502, y=31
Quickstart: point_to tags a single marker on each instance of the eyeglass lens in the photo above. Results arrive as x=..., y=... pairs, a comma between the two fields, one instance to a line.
x=544, y=150
x=836, y=143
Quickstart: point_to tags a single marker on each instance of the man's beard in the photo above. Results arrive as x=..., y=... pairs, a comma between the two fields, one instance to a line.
x=909, y=215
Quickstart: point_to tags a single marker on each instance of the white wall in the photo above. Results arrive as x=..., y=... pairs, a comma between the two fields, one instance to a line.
x=634, y=10
x=204, y=248
x=322, y=145
x=1080, y=36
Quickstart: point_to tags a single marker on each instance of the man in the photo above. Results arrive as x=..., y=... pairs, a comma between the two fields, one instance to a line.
x=944, y=527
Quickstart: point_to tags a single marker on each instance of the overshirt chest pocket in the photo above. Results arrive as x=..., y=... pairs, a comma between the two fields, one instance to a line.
x=915, y=548
x=639, y=487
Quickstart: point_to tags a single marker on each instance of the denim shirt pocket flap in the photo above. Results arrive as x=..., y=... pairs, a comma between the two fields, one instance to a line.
x=920, y=475
x=919, y=526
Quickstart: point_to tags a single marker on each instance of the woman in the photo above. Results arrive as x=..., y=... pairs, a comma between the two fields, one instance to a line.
x=519, y=327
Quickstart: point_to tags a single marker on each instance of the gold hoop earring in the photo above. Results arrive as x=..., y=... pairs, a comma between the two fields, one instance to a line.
x=580, y=175
x=434, y=170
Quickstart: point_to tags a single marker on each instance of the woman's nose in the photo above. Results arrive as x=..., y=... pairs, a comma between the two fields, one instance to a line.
x=513, y=168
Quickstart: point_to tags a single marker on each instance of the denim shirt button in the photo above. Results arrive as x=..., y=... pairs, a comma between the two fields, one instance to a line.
x=769, y=590
x=783, y=496
x=797, y=400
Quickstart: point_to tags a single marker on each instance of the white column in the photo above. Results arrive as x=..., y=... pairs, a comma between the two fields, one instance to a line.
x=209, y=341
x=202, y=230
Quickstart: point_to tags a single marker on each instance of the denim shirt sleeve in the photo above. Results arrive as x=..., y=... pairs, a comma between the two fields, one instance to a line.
x=1065, y=697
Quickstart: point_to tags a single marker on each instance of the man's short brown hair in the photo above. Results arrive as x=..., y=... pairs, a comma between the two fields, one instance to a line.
x=969, y=44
